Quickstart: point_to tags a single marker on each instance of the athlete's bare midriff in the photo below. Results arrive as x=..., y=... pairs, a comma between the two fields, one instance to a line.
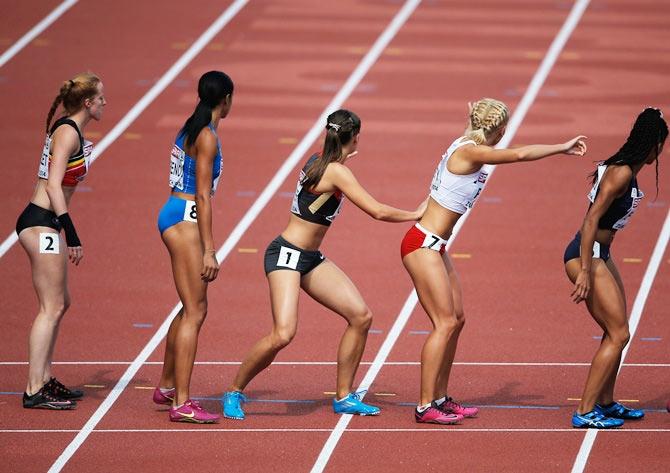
x=304, y=234
x=439, y=220
x=41, y=198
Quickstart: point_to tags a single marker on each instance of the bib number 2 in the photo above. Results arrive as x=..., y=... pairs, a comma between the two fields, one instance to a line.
x=49, y=243
x=190, y=212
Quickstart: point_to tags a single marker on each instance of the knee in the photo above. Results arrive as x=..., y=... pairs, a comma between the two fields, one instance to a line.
x=281, y=337
x=460, y=319
x=447, y=324
x=196, y=313
x=362, y=320
x=620, y=337
x=55, y=312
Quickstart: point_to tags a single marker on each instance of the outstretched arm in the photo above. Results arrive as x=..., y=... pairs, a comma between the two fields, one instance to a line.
x=342, y=178
x=489, y=155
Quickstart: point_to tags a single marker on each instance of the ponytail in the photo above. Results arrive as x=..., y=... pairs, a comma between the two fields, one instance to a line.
x=213, y=88
x=73, y=93
x=341, y=127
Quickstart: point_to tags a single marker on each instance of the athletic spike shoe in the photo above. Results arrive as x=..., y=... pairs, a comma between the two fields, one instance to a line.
x=433, y=415
x=594, y=420
x=352, y=404
x=232, y=405
x=59, y=390
x=450, y=406
x=191, y=411
x=45, y=399
x=619, y=411
x=164, y=398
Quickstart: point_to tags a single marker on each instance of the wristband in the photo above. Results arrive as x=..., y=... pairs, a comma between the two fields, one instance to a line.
x=70, y=233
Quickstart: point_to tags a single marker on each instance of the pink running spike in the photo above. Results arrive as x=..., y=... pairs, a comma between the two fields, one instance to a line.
x=436, y=416
x=451, y=406
x=164, y=398
x=191, y=411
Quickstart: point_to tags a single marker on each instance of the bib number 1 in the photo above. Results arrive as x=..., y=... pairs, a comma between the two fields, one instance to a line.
x=288, y=258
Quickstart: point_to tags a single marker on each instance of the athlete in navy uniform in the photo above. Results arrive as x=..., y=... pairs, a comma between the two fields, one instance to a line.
x=185, y=224
x=613, y=199
x=293, y=261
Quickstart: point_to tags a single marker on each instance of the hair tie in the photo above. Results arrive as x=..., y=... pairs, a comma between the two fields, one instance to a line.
x=334, y=126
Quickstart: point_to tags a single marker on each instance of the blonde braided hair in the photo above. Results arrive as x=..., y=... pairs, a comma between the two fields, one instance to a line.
x=486, y=117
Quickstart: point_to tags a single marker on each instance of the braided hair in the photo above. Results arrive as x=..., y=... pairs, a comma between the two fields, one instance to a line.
x=73, y=93
x=649, y=133
x=213, y=87
x=486, y=117
x=341, y=127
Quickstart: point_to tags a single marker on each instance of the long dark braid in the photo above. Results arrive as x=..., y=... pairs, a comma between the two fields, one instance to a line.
x=649, y=132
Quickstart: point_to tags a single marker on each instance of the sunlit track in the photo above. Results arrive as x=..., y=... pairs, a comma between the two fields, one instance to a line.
x=35, y=31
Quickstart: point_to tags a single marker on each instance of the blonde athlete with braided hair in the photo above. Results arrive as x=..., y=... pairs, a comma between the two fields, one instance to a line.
x=457, y=183
x=63, y=165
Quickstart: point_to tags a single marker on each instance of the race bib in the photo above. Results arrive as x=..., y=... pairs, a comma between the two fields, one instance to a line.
x=177, y=168
x=43, y=172
x=215, y=182
x=288, y=258
x=190, y=212
x=433, y=242
x=636, y=196
x=49, y=243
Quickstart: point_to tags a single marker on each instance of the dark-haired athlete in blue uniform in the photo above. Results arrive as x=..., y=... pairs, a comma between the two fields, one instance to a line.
x=614, y=198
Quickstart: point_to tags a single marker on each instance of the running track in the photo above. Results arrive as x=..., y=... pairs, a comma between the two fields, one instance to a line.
x=525, y=350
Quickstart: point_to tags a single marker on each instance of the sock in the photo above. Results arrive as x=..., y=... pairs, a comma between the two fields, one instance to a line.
x=340, y=400
x=165, y=390
x=423, y=407
x=439, y=402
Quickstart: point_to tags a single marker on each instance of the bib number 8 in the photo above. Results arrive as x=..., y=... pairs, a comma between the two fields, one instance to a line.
x=190, y=212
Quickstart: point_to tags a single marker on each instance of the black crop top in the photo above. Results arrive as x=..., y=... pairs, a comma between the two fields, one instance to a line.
x=313, y=207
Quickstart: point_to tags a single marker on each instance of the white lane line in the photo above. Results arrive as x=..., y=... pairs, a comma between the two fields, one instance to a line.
x=321, y=363
x=635, y=315
x=512, y=127
x=134, y=112
x=152, y=93
x=455, y=430
x=35, y=31
x=347, y=88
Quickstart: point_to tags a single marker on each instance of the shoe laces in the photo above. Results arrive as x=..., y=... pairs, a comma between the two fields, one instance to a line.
x=359, y=395
x=452, y=404
x=49, y=396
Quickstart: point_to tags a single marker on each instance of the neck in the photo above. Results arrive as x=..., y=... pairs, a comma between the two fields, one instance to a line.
x=81, y=118
x=216, y=117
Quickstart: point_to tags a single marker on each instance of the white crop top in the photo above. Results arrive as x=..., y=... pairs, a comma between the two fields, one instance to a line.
x=456, y=192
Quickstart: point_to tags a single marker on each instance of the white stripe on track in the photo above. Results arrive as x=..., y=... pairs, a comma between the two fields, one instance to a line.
x=223, y=430
x=512, y=127
x=154, y=92
x=35, y=31
x=134, y=112
x=635, y=315
x=347, y=88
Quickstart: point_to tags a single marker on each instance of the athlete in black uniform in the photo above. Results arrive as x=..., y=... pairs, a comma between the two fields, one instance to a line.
x=614, y=198
x=293, y=261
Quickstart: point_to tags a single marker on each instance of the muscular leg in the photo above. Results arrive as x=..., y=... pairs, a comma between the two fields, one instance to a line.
x=431, y=281
x=49, y=274
x=167, y=375
x=284, y=292
x=457, y=297
x=183, y=243
x=607, y=306
x=607, y=394
x=328, y=285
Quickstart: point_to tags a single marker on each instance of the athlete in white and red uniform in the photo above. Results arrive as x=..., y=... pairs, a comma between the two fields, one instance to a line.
x=457, y=183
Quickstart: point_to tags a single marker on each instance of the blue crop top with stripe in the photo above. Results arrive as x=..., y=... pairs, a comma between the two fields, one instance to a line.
x=182, y=167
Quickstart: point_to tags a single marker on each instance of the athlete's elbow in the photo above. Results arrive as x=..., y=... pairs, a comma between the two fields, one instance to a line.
x=380, y=213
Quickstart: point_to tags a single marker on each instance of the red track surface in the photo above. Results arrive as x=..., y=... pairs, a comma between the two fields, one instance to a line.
x=288, y=60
